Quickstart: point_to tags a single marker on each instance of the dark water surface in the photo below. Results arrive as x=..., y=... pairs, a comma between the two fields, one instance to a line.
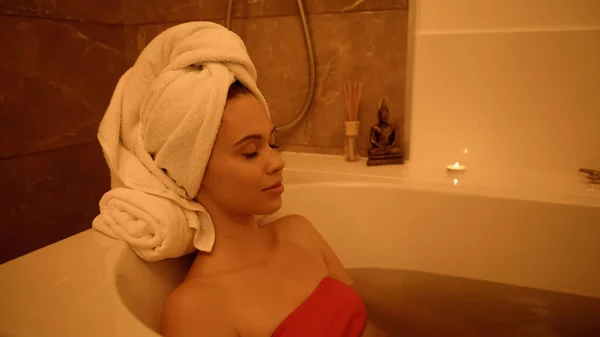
x=409, y=303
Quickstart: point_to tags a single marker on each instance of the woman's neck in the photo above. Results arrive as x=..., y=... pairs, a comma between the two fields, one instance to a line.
x=239, y=243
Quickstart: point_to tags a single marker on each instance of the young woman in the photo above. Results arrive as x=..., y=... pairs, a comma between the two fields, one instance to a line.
x=281, y=279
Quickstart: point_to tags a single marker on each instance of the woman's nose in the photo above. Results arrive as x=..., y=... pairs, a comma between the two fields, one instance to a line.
x=275, y=162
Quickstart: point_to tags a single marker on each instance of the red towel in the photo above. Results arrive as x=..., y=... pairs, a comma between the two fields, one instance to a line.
x=332, y=310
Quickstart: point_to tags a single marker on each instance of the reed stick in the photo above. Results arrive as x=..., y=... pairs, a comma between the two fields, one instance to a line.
x=353, y=92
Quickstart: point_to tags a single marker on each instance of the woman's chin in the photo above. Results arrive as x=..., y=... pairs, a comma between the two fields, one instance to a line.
x=270, y=206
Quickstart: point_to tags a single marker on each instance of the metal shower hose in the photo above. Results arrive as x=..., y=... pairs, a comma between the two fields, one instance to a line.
x=311, y=65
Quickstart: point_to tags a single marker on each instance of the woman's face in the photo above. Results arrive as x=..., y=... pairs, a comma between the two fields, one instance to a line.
x=244, y=164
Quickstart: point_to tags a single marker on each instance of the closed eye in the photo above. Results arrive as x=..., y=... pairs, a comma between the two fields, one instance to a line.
x=251, y=155
x=255, y=153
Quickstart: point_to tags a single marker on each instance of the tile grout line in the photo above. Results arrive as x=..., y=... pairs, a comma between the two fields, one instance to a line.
x=38, y=152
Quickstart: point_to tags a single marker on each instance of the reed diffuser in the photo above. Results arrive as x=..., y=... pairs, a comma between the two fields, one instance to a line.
x=352, y=91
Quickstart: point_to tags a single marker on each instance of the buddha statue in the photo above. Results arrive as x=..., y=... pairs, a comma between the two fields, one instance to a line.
x=383, y=140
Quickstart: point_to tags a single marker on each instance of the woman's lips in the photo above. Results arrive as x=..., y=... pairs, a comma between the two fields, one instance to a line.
x=277, y=184
x=276, y=188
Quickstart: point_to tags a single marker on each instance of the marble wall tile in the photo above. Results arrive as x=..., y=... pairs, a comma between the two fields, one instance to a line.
x=56, y=80
x=137, y=36
x=368, y=46
x=141, y=11
x=160, y=11
x=106, y=11
x=49, y=196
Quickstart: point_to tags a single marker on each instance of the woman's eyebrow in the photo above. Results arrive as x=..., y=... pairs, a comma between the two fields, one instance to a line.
x=253, y=136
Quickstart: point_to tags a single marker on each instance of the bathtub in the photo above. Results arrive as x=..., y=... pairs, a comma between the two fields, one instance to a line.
x=429, y=256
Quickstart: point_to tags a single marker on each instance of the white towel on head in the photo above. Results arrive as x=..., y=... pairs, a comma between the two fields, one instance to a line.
x=158, y=132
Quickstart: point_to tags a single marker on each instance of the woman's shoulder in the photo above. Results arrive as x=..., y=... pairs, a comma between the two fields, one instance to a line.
x=292, y=221
x=299, y=230
x=295, y=227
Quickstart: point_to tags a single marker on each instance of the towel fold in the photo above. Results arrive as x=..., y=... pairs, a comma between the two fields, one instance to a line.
x=157, y=135
x=156, y=228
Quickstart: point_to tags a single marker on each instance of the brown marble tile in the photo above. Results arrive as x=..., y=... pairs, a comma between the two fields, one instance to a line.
x=107, y=11
x=143, y=11
x=49, y=196
x=138, y=36
x=163, y=11
x=160, y=11
x=370, y=47
x=56, y=80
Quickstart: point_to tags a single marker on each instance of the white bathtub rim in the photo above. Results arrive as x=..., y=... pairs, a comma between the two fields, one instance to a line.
x=548, y=186
x=465, y=190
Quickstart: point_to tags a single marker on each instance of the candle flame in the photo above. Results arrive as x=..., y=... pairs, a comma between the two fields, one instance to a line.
x=456, y=164
x=455, y=181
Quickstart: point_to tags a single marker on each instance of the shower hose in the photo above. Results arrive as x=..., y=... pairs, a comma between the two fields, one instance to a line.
x=311, y=65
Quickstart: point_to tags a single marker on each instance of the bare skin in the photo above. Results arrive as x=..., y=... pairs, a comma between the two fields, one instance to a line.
x=255, y=276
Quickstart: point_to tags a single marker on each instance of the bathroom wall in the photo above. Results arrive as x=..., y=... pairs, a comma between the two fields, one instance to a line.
x=358, y=40
x=58, y=66
x=514, y=82
x=65, y=57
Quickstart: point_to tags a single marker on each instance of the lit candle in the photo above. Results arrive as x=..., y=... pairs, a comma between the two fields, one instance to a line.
x=456, y=167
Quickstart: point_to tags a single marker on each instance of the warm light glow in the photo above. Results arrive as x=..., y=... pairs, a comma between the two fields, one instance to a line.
x=465, y=151
x=455, y=181
x=455, y=167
